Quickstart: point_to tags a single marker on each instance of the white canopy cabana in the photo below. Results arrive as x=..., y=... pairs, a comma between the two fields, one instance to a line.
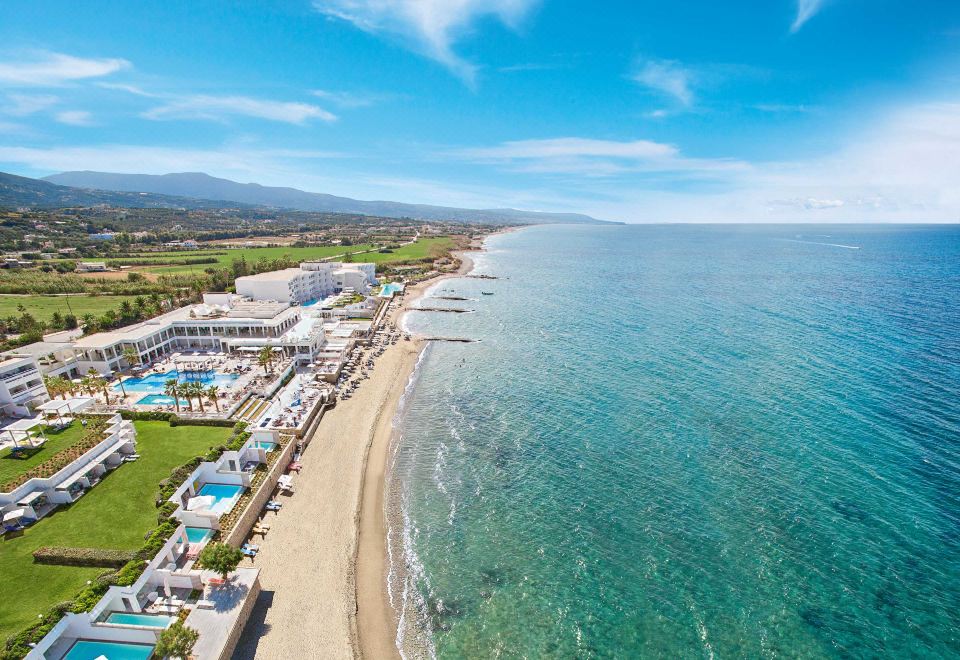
x=16, y=514
x=23, y=430
x=201, y=502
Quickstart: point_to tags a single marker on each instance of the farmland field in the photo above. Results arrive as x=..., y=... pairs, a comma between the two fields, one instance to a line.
x=43, y=307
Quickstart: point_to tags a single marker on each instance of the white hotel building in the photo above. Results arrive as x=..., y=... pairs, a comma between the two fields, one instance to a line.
x=313, y=280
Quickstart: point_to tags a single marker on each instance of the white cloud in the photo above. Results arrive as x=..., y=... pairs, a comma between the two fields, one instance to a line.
x=433, y=25
x=217, y=108
x=75, y=118
x=351, y=99
x=667, y=77
x=806, y=9
x=53, y=69
x=21, y=105
x=595, y=158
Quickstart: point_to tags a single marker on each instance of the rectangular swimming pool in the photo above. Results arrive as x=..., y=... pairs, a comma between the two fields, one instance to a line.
x=132, y=619
x=155, y=383
x=225, y=496
x=389, y=289
x=265, y=445
x=199, y=534
x=85, y=649
x=159, y=400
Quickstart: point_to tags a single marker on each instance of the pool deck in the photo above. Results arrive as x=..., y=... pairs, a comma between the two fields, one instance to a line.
x=221, y=625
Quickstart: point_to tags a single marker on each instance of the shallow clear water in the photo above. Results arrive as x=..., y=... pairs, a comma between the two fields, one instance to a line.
x=687, y=441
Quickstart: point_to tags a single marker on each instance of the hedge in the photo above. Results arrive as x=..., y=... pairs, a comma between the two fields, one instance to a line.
x=173, y=419
x=201, y=421
x=98, y=557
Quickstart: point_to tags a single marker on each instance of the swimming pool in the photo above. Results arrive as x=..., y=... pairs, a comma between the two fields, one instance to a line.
x=85, y=649
x=130, y=619
x=266, y=445
x=199, y=534
x=159, y=400
x=389, y=289
x=225, y=496
x=156, y=383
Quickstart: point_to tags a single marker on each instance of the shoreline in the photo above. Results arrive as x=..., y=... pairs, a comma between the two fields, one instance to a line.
x=323, y=564
x=374, y=628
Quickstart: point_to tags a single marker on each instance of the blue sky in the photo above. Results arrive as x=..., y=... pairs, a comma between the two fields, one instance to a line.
x=772, y=110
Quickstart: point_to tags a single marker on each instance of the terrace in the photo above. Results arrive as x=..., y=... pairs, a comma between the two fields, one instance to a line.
x=115, y=514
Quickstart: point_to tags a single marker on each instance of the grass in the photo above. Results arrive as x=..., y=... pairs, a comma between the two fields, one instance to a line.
x=56, y=440
x=43, y=307
x=116, y=513
x=425, y=247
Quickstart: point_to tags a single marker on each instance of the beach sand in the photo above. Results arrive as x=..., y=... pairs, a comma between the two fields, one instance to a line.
x=323, y=564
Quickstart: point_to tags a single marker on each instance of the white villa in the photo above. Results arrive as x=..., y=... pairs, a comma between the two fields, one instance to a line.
x=313, y=280
x=21, y=385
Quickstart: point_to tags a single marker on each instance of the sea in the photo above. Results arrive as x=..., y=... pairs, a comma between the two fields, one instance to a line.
x=685, y=441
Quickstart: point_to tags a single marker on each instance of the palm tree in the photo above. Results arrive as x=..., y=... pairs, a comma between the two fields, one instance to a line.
x=132, y=358
x=213, y=392
x=171, y=388
x=265, y=358
x=98, y=382
x=55, y=386
x=196, y=389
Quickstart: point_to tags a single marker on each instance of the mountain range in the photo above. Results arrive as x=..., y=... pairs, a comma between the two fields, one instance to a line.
x=199, y=190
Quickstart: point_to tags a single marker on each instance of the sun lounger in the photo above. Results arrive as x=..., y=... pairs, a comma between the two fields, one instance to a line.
x=273, y=506
x=193, y=550
x=216, y=582
x=206, y=604
x=247, y=552
x=250, y=546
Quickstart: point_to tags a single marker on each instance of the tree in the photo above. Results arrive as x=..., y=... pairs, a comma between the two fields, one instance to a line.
x=177, y=641
x=172, y=388
x=213, y=392
x=70, y=322
x=265, y=358
x=197, y=390
x=97, y=382
x=55, y=386
x=221, y=558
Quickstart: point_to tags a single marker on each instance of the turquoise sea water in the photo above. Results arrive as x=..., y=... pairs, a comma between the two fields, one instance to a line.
x=687, y=442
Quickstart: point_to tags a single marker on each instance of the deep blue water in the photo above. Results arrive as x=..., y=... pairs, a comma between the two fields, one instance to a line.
x=687, y=441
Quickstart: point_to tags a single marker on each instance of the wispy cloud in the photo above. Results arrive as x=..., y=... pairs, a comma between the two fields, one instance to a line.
x=21, y=105
x=344, y=99
x=806, y=9
x=666, y=77
x=218, y=108
x=54, y=69
x=75, y=118
x=594, y=158
x=432, y=27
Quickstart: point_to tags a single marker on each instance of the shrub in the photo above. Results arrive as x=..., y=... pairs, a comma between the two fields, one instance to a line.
x=100, y=557
x=130, y=572
x=164, y=511
x=221, y=558
x=177, y=421
x=148, y=415
x=177, y=641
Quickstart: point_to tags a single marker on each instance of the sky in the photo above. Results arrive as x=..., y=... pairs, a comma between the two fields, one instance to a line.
x=637, y=111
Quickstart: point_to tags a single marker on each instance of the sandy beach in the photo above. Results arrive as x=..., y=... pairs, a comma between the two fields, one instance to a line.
x=323, y=564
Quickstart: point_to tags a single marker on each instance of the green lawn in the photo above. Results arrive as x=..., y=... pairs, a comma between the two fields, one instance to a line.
x=43, y=307
x=425, y=247
x=116, y=513
x=57, y=440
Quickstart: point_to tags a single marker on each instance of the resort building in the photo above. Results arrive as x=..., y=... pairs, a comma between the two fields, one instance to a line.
x=313, y=280
x=35, y=497
x=21, y=386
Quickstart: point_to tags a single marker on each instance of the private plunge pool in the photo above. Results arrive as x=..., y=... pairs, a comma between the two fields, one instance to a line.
x=145, y=620
x=265, y=445
x=199, y=534
x=225, y=496
x=85, y=649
